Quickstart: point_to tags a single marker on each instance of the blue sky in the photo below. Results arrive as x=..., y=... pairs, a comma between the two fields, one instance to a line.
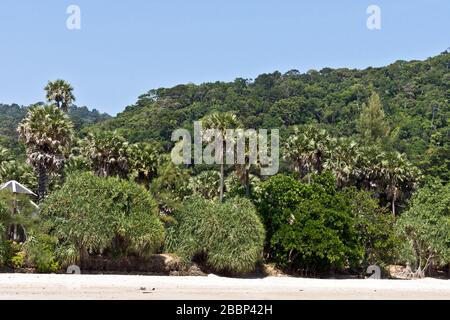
x=125, y=48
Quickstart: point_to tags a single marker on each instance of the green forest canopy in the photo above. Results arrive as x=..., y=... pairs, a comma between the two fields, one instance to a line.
x=414, y=95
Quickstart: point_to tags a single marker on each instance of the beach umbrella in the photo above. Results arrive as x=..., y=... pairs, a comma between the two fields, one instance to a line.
x=16, y=188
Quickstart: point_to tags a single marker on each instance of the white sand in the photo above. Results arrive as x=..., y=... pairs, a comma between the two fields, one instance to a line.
x=33, y=286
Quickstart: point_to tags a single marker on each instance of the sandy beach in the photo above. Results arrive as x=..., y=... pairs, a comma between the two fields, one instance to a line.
x=80, y=287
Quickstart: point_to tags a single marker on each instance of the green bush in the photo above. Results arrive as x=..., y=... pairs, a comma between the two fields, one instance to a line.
x=310, y=226
x=18, y=261
x=104, y=215
x=8, y=250
x=40, y=252
x=230, y=235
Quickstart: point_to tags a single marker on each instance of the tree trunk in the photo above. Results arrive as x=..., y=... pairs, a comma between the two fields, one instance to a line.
x=62, y=174
x=394, y=197
x=42, y=184
x=84, y=257
x=221, y=181
x=247, y=183
x=393, y=208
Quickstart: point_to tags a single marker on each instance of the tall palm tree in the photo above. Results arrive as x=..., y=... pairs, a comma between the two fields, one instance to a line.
x=242, y=170
x=107, y=153
x=398, y=174
x=61, y=93
x=47, y=133
x=221, y=121
x=307, y=149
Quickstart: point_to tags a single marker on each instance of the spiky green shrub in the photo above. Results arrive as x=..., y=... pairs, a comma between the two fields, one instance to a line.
x=98, y=215
x=229, y=235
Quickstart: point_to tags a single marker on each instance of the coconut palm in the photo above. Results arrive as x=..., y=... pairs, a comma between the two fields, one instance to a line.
x=306, y=150
x=47, y=133
x=220, y=122
x=61, y=93
x=107, y=153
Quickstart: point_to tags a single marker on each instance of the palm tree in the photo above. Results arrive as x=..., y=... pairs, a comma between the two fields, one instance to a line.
x=307, y=149
x=242, y=170
x=61, y=93
x=366, y=173
x=144, y=159
x=47, y=133
x=398, y=174
x=206, y=184
x=107, y=153
x=220, y=122
x=342, y=159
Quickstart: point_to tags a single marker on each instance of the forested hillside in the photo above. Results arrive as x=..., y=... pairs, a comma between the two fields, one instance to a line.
x=363, y=180
x=414, y=95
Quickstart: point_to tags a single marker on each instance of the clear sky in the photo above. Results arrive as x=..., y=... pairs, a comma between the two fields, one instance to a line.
x=125, y=48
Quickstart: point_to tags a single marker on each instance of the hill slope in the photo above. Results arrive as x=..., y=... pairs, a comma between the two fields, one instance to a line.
x=415, y=96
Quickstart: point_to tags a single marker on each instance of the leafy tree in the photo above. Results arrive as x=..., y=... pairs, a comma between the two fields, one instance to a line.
x=47, y=133
x=374, y=227
x=61, y=93
x=228, y=235
x=310, y=226
x=437, y=161
x=425, y=228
